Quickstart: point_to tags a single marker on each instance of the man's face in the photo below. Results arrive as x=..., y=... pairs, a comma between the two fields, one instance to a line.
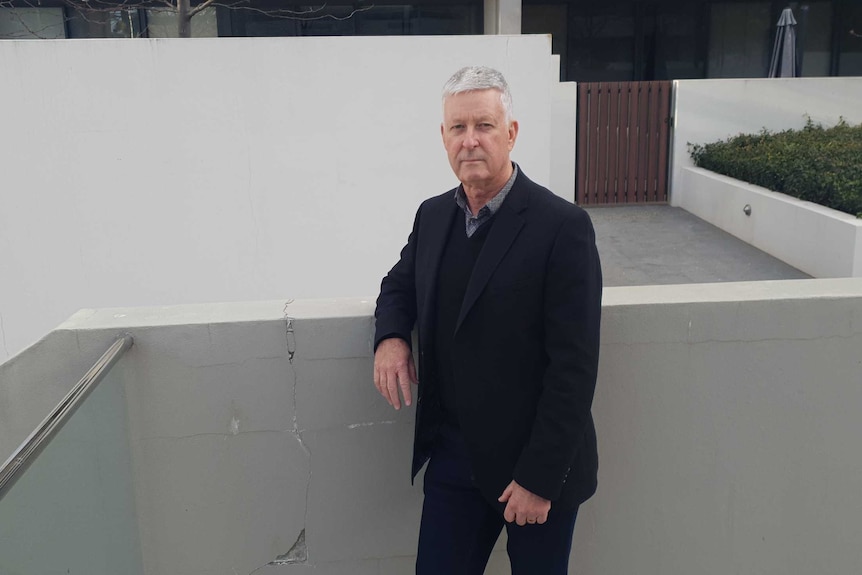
x=478, y=139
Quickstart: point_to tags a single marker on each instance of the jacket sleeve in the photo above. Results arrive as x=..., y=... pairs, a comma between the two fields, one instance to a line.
x=571, y=315
x=396, y=305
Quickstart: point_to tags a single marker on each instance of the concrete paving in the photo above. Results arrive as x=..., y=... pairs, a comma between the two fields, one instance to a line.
x=649, y=245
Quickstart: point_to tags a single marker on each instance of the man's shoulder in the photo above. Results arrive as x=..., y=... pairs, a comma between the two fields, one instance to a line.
x=445, y=199
x=549, y=206
x=437, y=205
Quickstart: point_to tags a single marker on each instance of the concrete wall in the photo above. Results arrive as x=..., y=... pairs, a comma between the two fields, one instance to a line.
x=155, y=172
x=727, y=417
x=710, y=110
x=820, y=241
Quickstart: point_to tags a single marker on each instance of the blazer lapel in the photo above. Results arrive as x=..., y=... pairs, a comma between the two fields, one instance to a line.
x=508, y=222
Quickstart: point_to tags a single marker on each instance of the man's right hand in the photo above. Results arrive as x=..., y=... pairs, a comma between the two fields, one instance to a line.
x=394, y=369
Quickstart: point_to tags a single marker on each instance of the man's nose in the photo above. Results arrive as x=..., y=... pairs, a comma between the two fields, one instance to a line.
x=470, y=139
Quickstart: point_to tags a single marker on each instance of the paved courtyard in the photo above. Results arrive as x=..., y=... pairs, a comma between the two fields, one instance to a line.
x=647, y=245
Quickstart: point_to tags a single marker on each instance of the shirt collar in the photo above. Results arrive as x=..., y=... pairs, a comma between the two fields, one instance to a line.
x=494, y=203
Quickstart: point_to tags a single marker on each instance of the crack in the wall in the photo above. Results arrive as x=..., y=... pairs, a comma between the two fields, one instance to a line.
x=289, y=334
x=290, y=339
x=297, y=554
x=212, y=434
x=371, y=424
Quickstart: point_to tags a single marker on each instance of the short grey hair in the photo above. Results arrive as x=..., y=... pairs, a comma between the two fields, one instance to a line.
x=474, y=78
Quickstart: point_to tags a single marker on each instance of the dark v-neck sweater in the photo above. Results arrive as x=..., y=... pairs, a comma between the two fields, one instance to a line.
x=456, y=267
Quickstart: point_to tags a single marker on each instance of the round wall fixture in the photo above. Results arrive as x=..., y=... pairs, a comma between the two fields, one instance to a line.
x=747, y=209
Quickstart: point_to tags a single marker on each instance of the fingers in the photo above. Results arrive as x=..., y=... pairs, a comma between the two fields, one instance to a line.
x=380, y=384
x=523, y=507
x=392, y=389
x=405, y=380
x=507, y=493
x=394, y=370
x=411, y=367
x=509, y=514
x=521, y=519
x=408, y=377
x=542, y=518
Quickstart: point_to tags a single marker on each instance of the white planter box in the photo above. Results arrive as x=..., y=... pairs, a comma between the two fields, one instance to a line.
x=820, y=241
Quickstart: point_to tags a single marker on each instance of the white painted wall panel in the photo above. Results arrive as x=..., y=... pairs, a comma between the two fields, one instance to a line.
x=564, y=139
x=159, y=171
x=820, y=241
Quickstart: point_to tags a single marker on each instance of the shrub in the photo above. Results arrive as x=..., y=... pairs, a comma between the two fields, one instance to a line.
x=822, y=165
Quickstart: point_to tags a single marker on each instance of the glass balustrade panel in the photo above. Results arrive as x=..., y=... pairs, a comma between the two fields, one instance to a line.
x=73, y=509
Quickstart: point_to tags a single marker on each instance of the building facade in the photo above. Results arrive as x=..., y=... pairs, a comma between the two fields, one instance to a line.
x=612, y=40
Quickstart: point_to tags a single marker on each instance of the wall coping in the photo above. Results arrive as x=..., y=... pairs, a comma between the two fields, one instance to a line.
x=340, y=308
x=779, y=197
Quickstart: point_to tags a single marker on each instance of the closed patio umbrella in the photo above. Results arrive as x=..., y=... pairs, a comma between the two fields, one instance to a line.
x=783, y=63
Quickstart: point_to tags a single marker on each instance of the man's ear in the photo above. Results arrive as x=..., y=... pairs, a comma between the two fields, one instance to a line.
x=442, y=133
x=513, y=133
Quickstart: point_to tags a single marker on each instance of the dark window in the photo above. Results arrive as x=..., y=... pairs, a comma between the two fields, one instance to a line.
x=549, y=19
x=623, y=40
x=601, y=41
x=740, y=39
x=814, y=33
x=103, y=24
x=20, y=23
x=850, y=40
x=673, y=41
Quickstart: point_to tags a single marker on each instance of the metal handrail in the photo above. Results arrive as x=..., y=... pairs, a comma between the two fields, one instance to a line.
x=42, y=435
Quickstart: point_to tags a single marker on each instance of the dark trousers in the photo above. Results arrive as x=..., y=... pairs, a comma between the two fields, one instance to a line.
x=459, y=527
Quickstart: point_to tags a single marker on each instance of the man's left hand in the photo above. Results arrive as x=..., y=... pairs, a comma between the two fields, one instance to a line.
x=524, y=507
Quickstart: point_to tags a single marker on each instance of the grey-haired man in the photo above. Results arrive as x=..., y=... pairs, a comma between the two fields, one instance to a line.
x=503, y=281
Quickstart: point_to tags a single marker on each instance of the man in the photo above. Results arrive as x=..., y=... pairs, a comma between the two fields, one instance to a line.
x=503, y=281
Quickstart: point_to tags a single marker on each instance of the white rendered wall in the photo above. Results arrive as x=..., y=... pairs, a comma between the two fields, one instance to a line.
x=727, y=418
x=820, y=241
x=153, y=172
x=564, y=138
x=709, y=110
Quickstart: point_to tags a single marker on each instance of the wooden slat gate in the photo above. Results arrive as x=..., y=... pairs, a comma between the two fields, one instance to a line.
x=623, y=133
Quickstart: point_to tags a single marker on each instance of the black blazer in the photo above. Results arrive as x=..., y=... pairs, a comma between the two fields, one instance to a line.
x=526, y=345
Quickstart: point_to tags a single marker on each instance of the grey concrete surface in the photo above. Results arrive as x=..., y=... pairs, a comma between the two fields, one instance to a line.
x=259, y=445
x=646, y=245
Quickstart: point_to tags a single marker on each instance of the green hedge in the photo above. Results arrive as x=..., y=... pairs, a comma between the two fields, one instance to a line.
x=822, y=165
